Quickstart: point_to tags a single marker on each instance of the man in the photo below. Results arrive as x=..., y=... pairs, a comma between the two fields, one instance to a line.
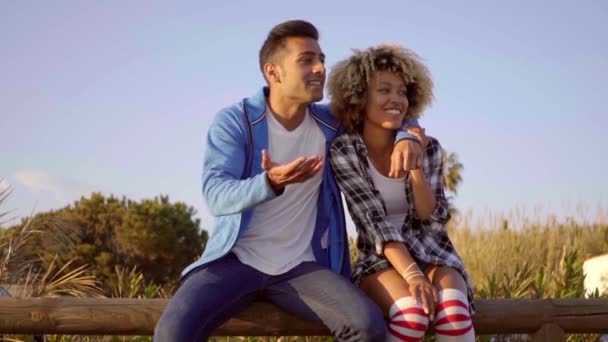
x=279, y=231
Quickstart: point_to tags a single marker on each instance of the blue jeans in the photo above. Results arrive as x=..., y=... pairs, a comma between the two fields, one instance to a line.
x=211, y=295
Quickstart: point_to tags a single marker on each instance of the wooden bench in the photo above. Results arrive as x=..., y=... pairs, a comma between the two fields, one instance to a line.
x=545, y=319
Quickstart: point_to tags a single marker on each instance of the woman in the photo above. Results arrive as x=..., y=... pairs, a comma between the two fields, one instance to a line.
x=406, y=262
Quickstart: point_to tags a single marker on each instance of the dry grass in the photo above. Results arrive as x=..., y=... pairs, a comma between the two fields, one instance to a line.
x=499, y=244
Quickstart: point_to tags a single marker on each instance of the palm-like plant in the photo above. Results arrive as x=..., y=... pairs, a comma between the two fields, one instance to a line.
x=131, y=284
x=452, y=169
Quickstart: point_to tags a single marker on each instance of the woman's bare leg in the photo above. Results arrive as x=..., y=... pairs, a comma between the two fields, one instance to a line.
x=406, y=318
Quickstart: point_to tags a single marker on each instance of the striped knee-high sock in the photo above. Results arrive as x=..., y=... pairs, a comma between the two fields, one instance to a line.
x=452, y=317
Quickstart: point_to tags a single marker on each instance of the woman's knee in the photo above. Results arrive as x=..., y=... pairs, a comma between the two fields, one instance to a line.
x=407, y=320
x=444, y=277
x=453, y=318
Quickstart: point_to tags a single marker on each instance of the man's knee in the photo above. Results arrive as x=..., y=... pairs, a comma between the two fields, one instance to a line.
x=375, y=329
x=167, y=329
x=369, y=324
x=182, y=319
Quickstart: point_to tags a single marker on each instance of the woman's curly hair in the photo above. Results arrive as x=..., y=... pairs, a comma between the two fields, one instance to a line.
x=349, y=79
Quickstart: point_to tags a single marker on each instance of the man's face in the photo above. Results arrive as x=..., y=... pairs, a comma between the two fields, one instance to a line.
x=301, y=70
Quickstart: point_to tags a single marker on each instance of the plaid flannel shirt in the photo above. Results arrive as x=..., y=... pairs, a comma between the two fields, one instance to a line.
x=427, y=241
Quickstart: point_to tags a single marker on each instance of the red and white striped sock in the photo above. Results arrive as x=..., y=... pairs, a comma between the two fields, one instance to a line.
x=452, y=317
x=407, y=321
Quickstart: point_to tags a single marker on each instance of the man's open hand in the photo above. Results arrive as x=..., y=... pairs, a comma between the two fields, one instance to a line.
x=298, y=171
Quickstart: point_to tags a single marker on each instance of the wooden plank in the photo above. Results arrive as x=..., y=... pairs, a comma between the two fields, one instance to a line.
x=82, y=316
x=112, y=316
x=573, y=315
x=89, y=316
x=265, y=319
x=581, y=315
x=510, y=315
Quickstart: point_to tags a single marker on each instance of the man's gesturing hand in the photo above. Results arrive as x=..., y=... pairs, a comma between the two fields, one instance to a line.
x=299, y=170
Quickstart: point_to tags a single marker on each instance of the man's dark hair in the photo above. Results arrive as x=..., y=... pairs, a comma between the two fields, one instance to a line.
x=277, y=36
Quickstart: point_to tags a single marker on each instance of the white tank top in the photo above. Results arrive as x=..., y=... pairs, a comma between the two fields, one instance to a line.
x=392, y=191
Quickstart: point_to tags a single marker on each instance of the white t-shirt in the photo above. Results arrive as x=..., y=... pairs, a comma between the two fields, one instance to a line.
x=392, y=191
x=281, y=229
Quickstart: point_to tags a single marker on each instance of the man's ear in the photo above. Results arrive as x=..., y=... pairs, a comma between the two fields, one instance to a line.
x=272, y=73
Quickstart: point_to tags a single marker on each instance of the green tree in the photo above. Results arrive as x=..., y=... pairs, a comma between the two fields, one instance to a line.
x=159, y=238
x=155, y=236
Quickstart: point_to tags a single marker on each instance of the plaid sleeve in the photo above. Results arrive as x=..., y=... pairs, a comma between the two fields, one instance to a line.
x=366, y=208
x=433, y=171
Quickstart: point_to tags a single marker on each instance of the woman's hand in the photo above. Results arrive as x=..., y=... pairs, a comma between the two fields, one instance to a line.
x=423, y=291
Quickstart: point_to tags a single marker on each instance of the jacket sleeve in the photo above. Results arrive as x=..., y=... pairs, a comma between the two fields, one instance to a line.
x=364, y=204
x=405, y=135
x=223, y=164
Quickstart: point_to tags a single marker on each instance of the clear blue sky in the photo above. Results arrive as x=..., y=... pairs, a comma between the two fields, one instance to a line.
x=117, y=96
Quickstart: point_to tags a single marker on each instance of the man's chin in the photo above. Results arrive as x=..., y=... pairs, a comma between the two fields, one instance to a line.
x=316, y=98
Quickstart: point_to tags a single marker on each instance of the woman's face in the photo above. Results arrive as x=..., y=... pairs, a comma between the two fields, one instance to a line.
x=386, y=100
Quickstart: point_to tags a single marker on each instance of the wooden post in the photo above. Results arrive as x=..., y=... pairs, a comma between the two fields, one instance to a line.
x=549, y=332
